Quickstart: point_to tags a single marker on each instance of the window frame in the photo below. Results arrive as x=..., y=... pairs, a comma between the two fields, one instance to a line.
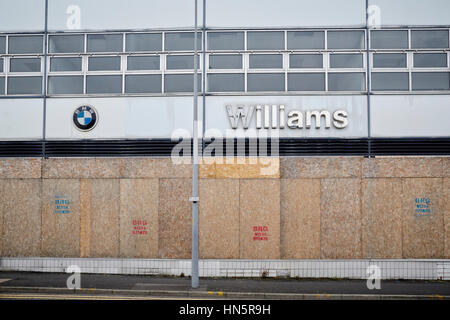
x=245, y=56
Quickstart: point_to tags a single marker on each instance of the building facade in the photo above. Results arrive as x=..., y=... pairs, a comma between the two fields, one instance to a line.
x=325, y=126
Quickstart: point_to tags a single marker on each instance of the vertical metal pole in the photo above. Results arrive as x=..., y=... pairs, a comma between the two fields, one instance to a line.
x=44, y=81
x=194, y=199
x=369, y=151
x=204, y=76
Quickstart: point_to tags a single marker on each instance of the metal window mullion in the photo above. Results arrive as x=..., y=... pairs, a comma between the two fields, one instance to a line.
x=162, y=66
x=410, y=65
x=6, y=72
x=448, y=58
x=367, y=62
x=84, y=63
x=123, y=68
x=285, y=69
x=325, y=65
x=245, y=56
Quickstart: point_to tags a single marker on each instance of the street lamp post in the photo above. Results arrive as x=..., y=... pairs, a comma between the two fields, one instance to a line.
x=194, y=199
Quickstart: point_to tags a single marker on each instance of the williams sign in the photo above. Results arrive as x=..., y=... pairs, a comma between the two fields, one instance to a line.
x=276, y=117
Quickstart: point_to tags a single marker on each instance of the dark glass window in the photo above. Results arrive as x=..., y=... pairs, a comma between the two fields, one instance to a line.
x=390, y=81
x=65, y=64
x=104, y=63
x=104, y=84
x=225, y=61
x=2, y=45
x=104, y=43
x=65, y=84
x=25, y=44
x=265, y=82
x=181, y=82
x=430, y=60
x=346, y=60
x=225, y=82
x=143, y=83
x=431, y=80
x=429, y=39
x=348, y=81
x=345, y=39
x=138, y=42
x=389, y=39
x=66, y=43
x=305, y=61
x=2, y=85
x=181, y=62
x=24, y=85
x=305, y=40
x=265, y=40
x=143, y=63
x=389, y=60
x=182, y=41
x=225, y=40
x=25, y=65
x=265, y=61
x=306, y=82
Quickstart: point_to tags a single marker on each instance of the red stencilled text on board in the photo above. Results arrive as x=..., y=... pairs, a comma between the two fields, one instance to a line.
x=140, y=227
x=260, y=233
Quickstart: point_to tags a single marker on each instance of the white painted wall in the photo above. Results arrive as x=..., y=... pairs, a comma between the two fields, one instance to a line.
x=123, y=117
x=410, y=116
x=21, y=119
x=355, y=106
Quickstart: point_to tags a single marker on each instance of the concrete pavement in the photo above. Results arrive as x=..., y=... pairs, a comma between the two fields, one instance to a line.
x=221, y=288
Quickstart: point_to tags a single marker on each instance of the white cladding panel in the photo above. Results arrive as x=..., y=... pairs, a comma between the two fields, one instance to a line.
x=119, y=118
x=120, y=14
x=22, y=15
x=285, y=13
x=29, y=15
x=21, y=119
x=217, y=119
x=410, y=116
x=160, y=117
x=411, y=12
x=144, y=14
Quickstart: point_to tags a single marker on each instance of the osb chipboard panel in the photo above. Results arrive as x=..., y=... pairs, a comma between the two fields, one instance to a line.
x=289, y=167
x=175, y=219
x=330, y=167
x=402, y=167
x=139, y=218
x=446, y=167
x=104, y=217
x=446, y=194
x=72, y=168
x=85, y=218
x=219, y=219
x=423, y=233
x=259, y=200
x=155, y=168
x=382, y=218
x=240, y=168
x=61, y=217
x=20, y=168
x=340, y=219
x=20, y=213
x=300, y=218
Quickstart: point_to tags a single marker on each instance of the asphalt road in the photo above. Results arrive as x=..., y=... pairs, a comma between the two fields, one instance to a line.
x=221, y=285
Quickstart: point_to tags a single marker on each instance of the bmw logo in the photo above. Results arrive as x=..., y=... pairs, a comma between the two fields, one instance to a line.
x=85, y=118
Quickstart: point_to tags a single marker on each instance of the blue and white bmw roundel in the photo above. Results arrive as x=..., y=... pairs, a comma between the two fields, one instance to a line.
x=85, y=118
